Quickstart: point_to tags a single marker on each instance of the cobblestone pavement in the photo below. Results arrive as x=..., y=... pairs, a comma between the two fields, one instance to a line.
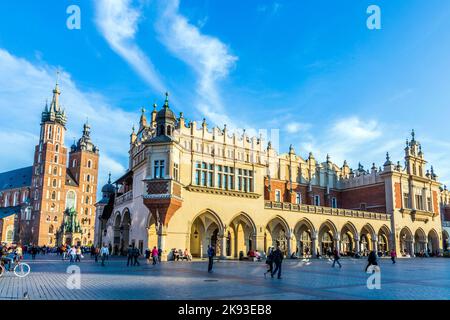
x=417, y=278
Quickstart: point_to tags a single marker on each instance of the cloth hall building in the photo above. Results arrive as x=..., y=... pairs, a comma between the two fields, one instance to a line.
x=189, y=186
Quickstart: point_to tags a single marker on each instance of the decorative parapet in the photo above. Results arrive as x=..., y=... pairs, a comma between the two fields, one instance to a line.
x=126, y=197
x=162, y=189
x=304, y=208
x=223, y=192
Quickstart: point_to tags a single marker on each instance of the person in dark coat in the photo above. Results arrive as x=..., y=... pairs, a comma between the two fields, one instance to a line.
x=211, y=255
x=269, y=262
x=372, y=260
x=130, y=256
x=278, y=260
x=337, y=256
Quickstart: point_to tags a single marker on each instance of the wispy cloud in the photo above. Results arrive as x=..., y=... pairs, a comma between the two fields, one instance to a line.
x=25, y=86
x=296, y=127
x=206, y=55
x=118, y=22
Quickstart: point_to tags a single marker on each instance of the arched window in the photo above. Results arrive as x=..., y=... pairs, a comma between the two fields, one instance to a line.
x=56, y=159
x=71, y=200
x=88, y=178
x=51, y=229
x=10, y=235
x=89, y=164
x=55, y=171
x=49, y=132
x=57, y=148
x=88, y=188
x=86, y=211
x=54, y=183
x=53, y=195
x=87, y=200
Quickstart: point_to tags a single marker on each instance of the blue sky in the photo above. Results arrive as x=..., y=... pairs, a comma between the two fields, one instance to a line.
x=311, y=69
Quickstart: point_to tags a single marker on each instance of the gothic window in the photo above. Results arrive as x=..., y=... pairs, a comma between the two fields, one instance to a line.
x=53, y=195
x=56, y=159
x=277, y=195
x=334, y=203
x=51, y=229
x=88, y=178
x=87, y=200
x=55, y=171
x=57, y=148
x=50, y=132
x=406, y=200
x=88, y=188
x=71, y=199
x=54, y=183
x=317, y=200
x=89, y=164
x=298, y=198
x=86, y=211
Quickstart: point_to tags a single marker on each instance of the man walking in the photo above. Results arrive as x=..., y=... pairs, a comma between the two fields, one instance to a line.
x=337, y=256
x=372, y=260
x=277, y=259
x=211, y=255
x=136, y=254
x=130, y=256
x=104, y=252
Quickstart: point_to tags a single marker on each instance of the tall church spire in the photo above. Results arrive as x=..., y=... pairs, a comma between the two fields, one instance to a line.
x=54, y=113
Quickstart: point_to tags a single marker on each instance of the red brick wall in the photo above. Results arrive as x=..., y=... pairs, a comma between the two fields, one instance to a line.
x=371, y=195
x=435, y=202
x=398, y=195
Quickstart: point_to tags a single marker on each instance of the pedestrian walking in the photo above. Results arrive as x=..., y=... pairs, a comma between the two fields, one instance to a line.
x=269, y=262
x=337, y=256
x=130, y=256
x=372, y=260
x=104, y=252
x=393, y=255
x=159, y=255
x=136, y=254
x=72, y=254
x=96, y=254
x=148, y=254
x=78, y=254
x=278, y=260
x=155, y=254
x=211, y=254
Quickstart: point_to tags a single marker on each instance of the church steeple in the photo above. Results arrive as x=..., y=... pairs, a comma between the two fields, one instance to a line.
x=55, y=112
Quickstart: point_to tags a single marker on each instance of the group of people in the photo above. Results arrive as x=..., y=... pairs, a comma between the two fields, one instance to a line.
x=179, y=254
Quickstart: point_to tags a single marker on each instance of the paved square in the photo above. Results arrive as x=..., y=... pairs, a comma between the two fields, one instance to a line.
x=409, y=279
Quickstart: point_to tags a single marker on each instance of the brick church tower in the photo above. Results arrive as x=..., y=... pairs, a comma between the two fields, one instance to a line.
x=56, y=187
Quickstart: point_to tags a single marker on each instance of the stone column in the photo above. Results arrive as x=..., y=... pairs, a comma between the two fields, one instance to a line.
x=357, y=245
x=162, y=243
x=337, y=242
x=313, y=250
x=223, y=246
x=259, y=243
x=375, y=244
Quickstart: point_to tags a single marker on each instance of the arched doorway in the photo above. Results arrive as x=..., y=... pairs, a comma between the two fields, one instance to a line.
x=116, y=240
x=327, y=235
x=303, y=233
x=205, y=231
x=242, y=232
x=125, y=231
x=152, y=233
x=348, y=242
x=366, y=239
x=277, y=234
x=420, y=241
x=383, y=240
x=406, y=239
x=433, y=243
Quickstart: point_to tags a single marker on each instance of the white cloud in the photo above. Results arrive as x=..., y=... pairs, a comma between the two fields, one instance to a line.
x=296, y=127
x=24, y=88
x=118, y=23
x=355, y=130
x=206, y=55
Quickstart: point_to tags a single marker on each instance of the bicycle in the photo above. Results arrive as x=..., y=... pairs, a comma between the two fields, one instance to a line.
x=21, y=269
